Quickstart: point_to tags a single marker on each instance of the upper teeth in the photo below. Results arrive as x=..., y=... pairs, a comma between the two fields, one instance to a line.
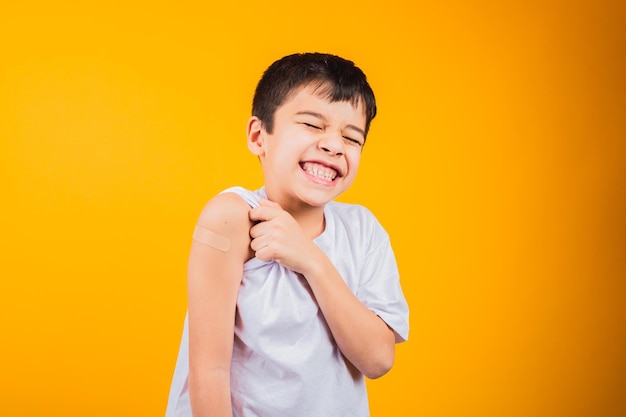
x=320, y=171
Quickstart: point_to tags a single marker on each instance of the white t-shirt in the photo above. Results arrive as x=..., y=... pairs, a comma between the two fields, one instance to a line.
x=285, y=361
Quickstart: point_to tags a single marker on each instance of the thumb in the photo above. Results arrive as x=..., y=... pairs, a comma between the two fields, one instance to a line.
x=267, y=203
x=266, y=210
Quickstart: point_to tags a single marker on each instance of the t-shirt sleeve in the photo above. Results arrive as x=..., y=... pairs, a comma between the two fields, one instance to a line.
x=379, y=287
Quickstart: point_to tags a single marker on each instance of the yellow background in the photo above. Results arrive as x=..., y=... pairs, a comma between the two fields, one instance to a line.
x=497, y=164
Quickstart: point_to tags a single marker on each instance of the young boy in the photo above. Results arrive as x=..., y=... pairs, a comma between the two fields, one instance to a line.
x=292, y=298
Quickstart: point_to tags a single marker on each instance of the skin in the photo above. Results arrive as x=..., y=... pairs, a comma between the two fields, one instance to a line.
x=309, y=131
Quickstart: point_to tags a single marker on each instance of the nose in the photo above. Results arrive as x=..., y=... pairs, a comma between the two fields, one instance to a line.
x=332, y=143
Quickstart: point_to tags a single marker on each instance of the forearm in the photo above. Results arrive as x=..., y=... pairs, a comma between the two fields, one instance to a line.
x=209, y=393
x=363, y=337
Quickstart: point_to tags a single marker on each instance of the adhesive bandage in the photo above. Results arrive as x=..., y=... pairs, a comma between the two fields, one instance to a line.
x=212, y=239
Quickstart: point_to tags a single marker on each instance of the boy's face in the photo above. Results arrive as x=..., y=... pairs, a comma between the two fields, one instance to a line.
x=314, y=151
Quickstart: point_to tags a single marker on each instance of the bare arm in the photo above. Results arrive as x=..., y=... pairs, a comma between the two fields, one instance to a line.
x=363, y=337
x=213, y=282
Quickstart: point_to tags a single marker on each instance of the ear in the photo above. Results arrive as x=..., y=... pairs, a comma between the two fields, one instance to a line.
x=256, y=136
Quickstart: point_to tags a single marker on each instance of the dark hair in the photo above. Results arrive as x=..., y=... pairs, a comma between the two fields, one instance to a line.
x=332, y=77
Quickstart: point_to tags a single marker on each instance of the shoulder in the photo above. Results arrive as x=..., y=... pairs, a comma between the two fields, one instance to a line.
x=354, y=213
x=226, y=213
x=356, y=219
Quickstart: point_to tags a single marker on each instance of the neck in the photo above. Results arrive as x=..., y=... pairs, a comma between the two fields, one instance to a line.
x=310, y=218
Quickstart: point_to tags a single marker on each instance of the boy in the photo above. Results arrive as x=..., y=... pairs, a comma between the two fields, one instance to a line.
x=292, y=298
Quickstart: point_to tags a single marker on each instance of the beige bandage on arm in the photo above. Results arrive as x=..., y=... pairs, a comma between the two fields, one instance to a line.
x=212, y=239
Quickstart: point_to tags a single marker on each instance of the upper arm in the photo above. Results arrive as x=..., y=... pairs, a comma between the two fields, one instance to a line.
x=213, y=281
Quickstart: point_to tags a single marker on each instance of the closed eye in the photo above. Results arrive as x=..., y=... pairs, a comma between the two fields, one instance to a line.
x=353, y=141
x=312, y=126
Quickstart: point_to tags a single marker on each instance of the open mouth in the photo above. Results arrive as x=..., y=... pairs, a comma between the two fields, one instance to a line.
x=319, y=171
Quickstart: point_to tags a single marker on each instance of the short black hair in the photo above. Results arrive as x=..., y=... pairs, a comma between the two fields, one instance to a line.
x=333, y=77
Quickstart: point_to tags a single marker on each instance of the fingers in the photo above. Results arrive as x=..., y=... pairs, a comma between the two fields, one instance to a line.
x=259, y=229
x=266, y=211
x=273, y=232
x=257, y=244
x=263, y=242
x=269, y=224
x=268, y=203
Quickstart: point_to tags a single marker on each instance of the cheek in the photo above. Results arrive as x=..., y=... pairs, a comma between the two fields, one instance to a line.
x=354, y=159
x=284, y=154
x=354, y=156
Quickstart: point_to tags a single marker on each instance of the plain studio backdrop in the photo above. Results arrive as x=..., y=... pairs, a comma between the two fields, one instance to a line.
x=497, y=165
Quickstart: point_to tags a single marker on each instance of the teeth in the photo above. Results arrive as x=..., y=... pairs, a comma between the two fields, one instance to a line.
x=320, y=171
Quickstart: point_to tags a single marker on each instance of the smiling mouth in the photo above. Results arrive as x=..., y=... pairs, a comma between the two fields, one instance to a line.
x=319, y=171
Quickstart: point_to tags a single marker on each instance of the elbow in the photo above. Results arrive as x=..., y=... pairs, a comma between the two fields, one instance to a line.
x=379, y=366
x=381, y=357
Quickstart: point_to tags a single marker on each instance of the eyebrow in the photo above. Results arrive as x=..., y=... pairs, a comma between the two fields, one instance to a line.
x=322, y=117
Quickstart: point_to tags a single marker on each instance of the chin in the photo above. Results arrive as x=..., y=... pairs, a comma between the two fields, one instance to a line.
x=319, y=198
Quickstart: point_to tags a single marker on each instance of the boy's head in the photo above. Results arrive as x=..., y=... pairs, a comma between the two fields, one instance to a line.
x=332, y=77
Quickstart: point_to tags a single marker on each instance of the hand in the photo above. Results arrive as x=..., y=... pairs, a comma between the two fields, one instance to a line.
x=278, y=237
